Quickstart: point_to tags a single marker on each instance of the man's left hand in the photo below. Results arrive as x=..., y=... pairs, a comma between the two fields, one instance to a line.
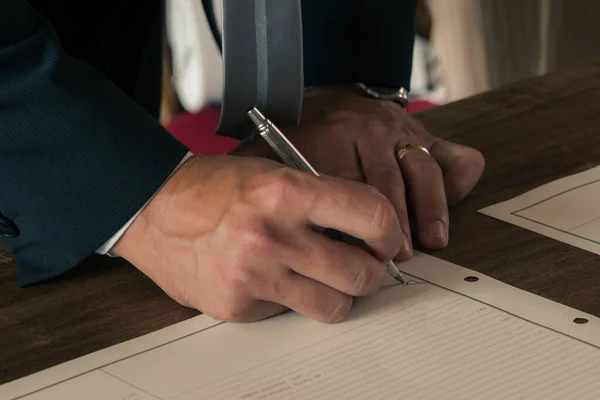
x=345, y=134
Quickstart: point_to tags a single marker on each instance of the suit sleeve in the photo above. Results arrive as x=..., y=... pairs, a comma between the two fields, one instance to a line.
x=349, y=41
x=78, y=156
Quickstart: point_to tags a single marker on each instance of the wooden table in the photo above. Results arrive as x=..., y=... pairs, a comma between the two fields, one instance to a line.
x=530, y=133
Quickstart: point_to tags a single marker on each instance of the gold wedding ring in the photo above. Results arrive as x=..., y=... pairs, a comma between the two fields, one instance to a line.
x=405, y=149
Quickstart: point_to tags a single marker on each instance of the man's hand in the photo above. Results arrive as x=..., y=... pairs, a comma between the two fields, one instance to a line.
x=238, y=238
x=345, y=134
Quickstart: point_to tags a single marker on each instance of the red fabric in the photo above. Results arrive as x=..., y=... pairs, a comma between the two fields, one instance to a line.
x=196, y=131
x=419, y=105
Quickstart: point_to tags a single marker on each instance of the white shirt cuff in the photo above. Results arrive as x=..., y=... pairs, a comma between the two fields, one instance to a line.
x=108, y=245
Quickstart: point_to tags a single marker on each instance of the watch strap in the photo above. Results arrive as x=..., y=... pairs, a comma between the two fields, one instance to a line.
x=399, y=96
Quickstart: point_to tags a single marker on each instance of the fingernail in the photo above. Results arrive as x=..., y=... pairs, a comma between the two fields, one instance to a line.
x=437, y=229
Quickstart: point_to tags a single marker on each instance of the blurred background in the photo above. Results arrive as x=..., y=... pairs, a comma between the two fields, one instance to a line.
x=462, y=48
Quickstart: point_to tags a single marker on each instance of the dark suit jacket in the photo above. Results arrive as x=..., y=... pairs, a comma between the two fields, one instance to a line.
x=80, y=146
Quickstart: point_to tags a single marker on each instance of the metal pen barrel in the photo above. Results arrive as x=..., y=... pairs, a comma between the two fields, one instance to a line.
x=292, y=157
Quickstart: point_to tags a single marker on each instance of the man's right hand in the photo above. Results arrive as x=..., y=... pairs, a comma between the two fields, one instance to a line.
x=239, y=239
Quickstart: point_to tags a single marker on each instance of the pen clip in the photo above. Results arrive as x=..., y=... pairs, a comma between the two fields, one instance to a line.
x=293, y=158
x=280, y=143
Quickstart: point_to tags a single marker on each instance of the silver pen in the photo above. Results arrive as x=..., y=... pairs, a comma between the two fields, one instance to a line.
x=292, y=157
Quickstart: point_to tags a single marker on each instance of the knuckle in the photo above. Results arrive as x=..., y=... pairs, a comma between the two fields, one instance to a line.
x=389, y=253
x=339, y=312
x=336, y=198
x=338, y=127
x=241, y=281
x=282, y=187
x=378, y=129
x=368, y=280
x=325, y=258
x=478, y=159
x=380, y=272
x=432, y=205
x=256, y=235
x=363, y=282
x=276, y=286
x=286, y=179
x=384, y=218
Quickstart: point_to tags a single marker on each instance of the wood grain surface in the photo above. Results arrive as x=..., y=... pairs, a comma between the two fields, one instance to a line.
x=531, y=133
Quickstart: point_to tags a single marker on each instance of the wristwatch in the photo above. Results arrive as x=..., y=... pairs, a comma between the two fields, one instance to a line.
x=399, y=96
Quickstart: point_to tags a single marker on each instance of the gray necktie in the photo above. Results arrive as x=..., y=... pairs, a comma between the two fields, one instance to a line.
x=263, y=65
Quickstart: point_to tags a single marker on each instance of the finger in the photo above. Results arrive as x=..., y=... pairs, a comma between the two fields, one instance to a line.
x=232, y=306
x=425, y=185
x=263, y=310
x=381, y=170
x=462, y=167
x=310, y=298
x=256, y=311
x=358, y=210
x=338, y=265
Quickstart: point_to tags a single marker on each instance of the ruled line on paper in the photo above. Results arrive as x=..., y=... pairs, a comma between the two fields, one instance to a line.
x=414, y=342
x=361, y=376
x=423, y=352
x=351, y=347
x=347, y=348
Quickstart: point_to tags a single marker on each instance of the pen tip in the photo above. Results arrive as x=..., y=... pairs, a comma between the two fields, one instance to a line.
x=395, y=272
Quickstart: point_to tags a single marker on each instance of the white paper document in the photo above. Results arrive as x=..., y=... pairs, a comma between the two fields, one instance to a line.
x=438, y=337
x=567, y=210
